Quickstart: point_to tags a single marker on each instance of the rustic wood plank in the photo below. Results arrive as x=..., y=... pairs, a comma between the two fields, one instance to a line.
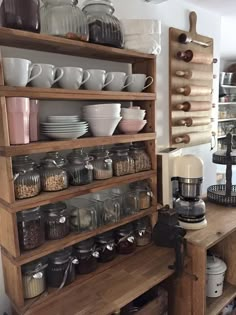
x=7, y=183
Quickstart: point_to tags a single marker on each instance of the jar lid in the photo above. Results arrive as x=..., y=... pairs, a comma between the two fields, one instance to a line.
x=142, y=223
x=85, y=245
x=215, y=265
x=28, y=213
x=35, y=266
x=53, y=159
x=60, y=257
x=125, y=229
x=97, y=2
x=105, y=237
x=102, y=153
x=54, y=207
x=23, y=160
x=78, y=156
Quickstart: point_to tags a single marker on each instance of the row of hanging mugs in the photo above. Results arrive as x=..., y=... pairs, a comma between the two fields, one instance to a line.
x=20, y=72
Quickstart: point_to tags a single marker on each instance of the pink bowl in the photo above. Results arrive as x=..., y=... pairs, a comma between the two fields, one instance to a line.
x=131, y=127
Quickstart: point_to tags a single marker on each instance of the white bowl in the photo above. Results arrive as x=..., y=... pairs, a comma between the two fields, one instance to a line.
x=101, y=116
x=103, y=127
x=133, y=116
x=104, y=106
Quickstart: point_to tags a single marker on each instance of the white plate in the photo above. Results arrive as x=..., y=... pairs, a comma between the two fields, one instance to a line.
x=63, y=130
x=67, y=124
x=52, y=120
x=68, y=135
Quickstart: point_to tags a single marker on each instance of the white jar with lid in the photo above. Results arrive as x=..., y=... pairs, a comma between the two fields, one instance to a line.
x=215, y=276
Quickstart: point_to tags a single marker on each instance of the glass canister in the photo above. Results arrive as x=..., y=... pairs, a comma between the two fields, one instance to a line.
x=143, y=231
x=123, y=164
x=106, y=246
x=57, y=223
x=30, y=228
x=102, y=164
x=61, y=268
x=144, y=194
x=53, y=172
x=64, y=18
x=126, y=240
x=104, y=27
x=83, y=215
x=87, y=256
x=142, y=160
x=131, y=203
x=26, y=177
x=80, y=169
x=34, y=278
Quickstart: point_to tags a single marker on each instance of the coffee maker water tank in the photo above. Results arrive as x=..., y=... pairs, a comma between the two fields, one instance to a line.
x=188, y=166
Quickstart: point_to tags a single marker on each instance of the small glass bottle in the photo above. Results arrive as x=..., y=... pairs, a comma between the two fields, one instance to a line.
x=102, y=164
x=143, y=231
x=126, y=240
x=123, y=163
x=106, y=247
x=142, y=161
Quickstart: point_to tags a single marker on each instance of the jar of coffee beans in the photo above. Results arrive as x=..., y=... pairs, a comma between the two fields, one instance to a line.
x=123, y=164
x=26, y=177
x=106, y=246
x=125, y=239
x=30, y=228
x=143, y=231
x=80, y=169
x=57, y=223
x=102, y=164
x=142, y=161
x=53, y=172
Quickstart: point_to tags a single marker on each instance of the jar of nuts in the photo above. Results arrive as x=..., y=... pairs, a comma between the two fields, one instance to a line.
x=26, y=177
x=102, y=164
x=123, y=164
x=142, y=161
x=53, y=172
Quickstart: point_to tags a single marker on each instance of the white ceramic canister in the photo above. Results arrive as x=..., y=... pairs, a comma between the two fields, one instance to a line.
x=215, y=276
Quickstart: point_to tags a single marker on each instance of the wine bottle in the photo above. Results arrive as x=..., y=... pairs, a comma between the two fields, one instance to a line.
x=195, y=57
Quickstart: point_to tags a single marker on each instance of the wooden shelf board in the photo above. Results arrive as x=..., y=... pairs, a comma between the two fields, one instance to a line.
x=111, y=287
x=45, y=146
x=75, y=191
x=51, y=246
x=60, y=45
x=227, y=103
x=229, y=86
x=226, y=119
x=61, y=94
x=215, y=305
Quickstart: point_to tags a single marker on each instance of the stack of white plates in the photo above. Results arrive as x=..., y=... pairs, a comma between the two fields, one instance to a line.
x=55, y=119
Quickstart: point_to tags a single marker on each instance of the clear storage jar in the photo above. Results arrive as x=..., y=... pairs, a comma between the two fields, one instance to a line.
x=142, y=161
x=102, y=164
x=30, y=228
x=80, y=168
x=57, y=223
x=104, y=27
x=126, y=240
x=64, y=18
x=27, y=182
x=106, y=246
x=143, y=231
x=123, y=163
x=131, y=203
x=144, y=194
x=53, y=172
x=34, y=278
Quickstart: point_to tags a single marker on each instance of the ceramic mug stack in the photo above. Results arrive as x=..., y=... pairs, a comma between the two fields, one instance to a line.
x=132, y=120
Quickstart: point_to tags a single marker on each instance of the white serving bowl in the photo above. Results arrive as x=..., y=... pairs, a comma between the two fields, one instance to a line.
x=102, y=127
x=105, y=106
x=131, y=127
x=105, y=110
x=133, y=116
x=101, y=116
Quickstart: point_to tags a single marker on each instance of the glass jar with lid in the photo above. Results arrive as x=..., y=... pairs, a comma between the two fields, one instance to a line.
x=123, y=163
x=53, y=172
x=106, y=246
x=142, y=161
x=34, y=278
x=131, y=203
x=126, y=240
x=26, y=177
x=87, y=256
x=144, y=194
x=102, y=164
x=104, y=27
x=80, y=168
x=57, y=223
x=64, y=18
x=30, y=228
x=61, y=268
x=143, y=231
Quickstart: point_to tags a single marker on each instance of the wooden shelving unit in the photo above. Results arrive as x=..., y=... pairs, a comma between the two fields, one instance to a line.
x=227, y=103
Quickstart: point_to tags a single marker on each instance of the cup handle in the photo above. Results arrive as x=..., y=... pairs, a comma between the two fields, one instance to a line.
x=36, y=75
x=87, y=78
x=131, y=82
x=112, y=78
x=60, y=75
x=146, y=86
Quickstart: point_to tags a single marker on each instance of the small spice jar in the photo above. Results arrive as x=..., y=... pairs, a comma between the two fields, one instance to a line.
x=53, y=173
x=142, y=161
x=125, y=238
x=87, y=256
x=106, y=246
x=57, y=223
x=123, y=164
x=26, y=177
x=61, y=268
x=144, y=194
x=80, y=169
x=102, y=164
x=30, y=228
x=143, y=231
x=34, y=278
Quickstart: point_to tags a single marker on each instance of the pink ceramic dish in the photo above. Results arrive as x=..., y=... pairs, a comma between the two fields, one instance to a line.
x=131, y=127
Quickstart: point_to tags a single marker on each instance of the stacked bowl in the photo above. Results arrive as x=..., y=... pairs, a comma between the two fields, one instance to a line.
x=64, y=127
x=102, y=118
x=132, y=120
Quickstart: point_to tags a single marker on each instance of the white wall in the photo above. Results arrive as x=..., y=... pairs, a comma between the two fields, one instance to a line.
x=228, y=41
x=172, y=13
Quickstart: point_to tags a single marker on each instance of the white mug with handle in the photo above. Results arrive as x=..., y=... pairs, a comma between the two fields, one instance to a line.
x=98, y=80
x=73, y=78
x=118, y=82
x=47, y=78
x=136, y=82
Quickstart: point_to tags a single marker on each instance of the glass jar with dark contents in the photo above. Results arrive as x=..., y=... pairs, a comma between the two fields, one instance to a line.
x=61, y=268
x=30, y=228
x=106, y=246
x=125, y=239
x=87, y=256
x=57, y=223
x=143, y=231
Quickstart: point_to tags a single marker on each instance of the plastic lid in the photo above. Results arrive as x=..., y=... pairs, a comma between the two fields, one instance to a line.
x=215, y=265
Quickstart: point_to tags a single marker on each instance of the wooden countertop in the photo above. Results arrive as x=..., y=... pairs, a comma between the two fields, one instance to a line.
x=221, y=221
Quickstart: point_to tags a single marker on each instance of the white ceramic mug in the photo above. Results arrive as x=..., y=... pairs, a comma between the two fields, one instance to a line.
x=73, y=78
x=97, y=80
x=118, y=83
x=19, y=72
x=47, y=78
x=138, y=82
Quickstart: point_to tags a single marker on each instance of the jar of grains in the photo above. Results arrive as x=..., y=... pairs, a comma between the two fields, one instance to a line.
x=106, y=246
x=131, y=203
x=26, y=177
x=30, y=228
x=34, y=278
x=61, y=268
x=53, y=173
x=123, y=164
x=125, y=238
x=57, y=223
x=143, y=231
x=80, y=169
x=87, y=256
x=102, y=164
x=142, y=160
x=144, y=194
